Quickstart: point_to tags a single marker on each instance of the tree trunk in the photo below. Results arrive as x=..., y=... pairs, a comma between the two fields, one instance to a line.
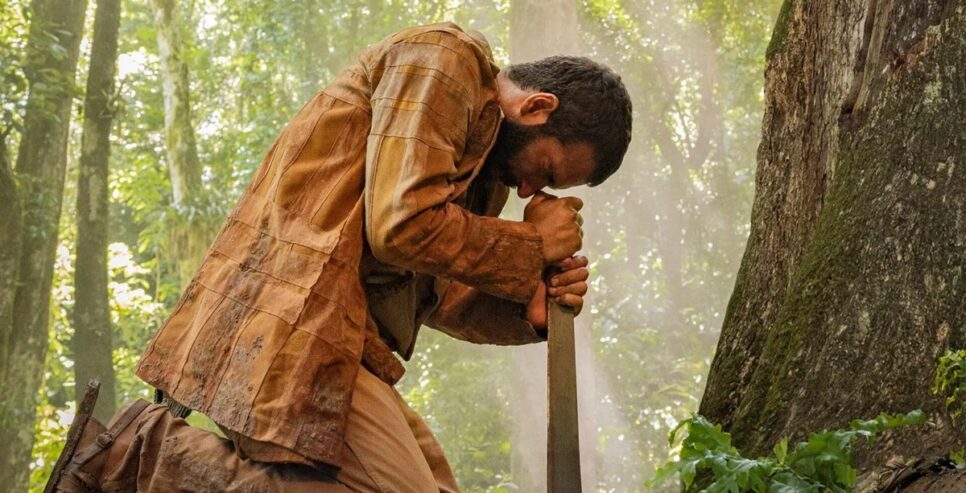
x=540, y=28
x=851, y=286
x=10, y=254
x=92, y=345
x=181, y=150
x=315, y=51
x=534, y=36
x=189, y=238
x=52, y=51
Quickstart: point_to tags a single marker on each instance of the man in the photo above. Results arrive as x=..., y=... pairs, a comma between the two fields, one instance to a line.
x=372, y=214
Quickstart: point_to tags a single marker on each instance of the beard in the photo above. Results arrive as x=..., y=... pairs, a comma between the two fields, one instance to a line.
x=510, y=142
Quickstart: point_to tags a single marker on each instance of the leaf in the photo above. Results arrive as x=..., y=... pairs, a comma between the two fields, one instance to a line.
x=781, y=450
x=844, y=474
x=789, y=482
x=688, y=472
x=684, y=424
x=707, y=436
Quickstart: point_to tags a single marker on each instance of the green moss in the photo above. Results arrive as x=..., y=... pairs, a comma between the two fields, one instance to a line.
x=780, y=33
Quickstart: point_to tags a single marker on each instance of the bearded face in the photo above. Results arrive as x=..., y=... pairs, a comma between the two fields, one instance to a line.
x=526, y=158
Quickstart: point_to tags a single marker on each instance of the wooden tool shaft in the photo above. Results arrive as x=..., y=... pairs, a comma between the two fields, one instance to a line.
x=563, y=441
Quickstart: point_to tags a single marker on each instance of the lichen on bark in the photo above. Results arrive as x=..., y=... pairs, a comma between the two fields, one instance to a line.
x=780, y=33
x=845, y=300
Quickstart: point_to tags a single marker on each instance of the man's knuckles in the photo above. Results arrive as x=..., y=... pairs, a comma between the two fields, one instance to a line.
x=574, y=202
x=577, y=288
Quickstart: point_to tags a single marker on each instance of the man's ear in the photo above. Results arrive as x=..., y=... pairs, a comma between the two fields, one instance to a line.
x=537, y=108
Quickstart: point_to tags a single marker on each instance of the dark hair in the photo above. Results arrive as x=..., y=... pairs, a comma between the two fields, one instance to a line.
x=594, y=106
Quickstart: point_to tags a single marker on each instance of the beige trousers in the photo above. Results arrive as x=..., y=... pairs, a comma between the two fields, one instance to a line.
x=389, y=449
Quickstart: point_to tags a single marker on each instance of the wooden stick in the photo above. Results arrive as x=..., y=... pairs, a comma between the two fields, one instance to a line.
x=563, y=441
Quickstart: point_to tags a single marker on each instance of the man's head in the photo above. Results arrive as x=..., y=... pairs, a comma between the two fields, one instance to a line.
x=568, y=123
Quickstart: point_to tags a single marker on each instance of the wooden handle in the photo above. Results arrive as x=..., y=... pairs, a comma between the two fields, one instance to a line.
x=563, y=441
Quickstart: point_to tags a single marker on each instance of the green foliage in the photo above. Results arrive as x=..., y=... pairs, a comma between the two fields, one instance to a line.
x=134, y=315
x=822, y=463
x=13, y=82
x=959, y=457
x=454, y=388
x=950, y=381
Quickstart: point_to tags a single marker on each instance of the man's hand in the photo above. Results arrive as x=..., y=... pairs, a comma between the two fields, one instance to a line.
x=558, y=223
x=567, y=287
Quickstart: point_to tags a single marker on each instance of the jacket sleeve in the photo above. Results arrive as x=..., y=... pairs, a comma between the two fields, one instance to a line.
x=471, y=315
x=426, y=99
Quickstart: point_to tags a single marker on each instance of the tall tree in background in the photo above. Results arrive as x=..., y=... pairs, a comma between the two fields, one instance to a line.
x=541, y=28
x=189, y=237
x=316, y=50
x=538, y=29
x=12, y=26
x=852, y=284
x=92, y=340
x=10, y=216
x=664, y=234
x=52, y=51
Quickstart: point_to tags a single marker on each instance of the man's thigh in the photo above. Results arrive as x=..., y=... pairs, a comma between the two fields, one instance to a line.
x=388, y=447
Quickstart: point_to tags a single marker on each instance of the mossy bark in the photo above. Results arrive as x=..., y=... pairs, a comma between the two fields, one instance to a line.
x=852, y=283
x=53, y=46
x=181, y=151
x=93, y=334
x=10, y=254
x=193, y=228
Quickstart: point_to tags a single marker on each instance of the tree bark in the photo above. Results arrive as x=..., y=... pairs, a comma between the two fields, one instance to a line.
x=189, y=233
x=316, y=51
x=851, y=286
x=52, y=51
x=181, y=150
x=92, y=341
x=10, y=215
x=540, y=28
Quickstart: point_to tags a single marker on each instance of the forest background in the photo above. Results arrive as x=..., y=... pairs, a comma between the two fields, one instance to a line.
x=665, y=236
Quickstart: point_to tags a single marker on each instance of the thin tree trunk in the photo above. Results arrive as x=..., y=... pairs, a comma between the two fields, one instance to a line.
x=40, y=168
x=189, y=237
x=10, y=254
x=533, y=36
x=181, y=150
x=92, y=344
x=852, y=286
x=540, y=28
x=316, y=51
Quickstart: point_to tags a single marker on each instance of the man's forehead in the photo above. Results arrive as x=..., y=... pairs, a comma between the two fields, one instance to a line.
x=576, y=164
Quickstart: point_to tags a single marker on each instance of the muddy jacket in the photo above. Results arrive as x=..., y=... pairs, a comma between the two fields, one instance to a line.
x=364, y=197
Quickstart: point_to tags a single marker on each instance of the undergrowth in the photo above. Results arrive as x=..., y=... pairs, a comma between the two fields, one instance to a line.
x=821, y=463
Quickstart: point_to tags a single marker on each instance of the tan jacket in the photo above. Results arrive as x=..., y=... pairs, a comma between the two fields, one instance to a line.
x=365, y=187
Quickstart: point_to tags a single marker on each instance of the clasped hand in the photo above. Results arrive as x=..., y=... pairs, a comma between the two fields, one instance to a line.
x=558, y=222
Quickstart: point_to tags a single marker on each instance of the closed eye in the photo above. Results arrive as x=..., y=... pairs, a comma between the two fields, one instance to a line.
x=551, y=182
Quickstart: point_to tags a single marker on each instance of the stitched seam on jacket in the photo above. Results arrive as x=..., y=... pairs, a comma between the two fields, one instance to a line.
x=422, y=104
x=361, y=150
x=446, y=79
x=427, y=144
x=195, y=339
x=273, y=194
